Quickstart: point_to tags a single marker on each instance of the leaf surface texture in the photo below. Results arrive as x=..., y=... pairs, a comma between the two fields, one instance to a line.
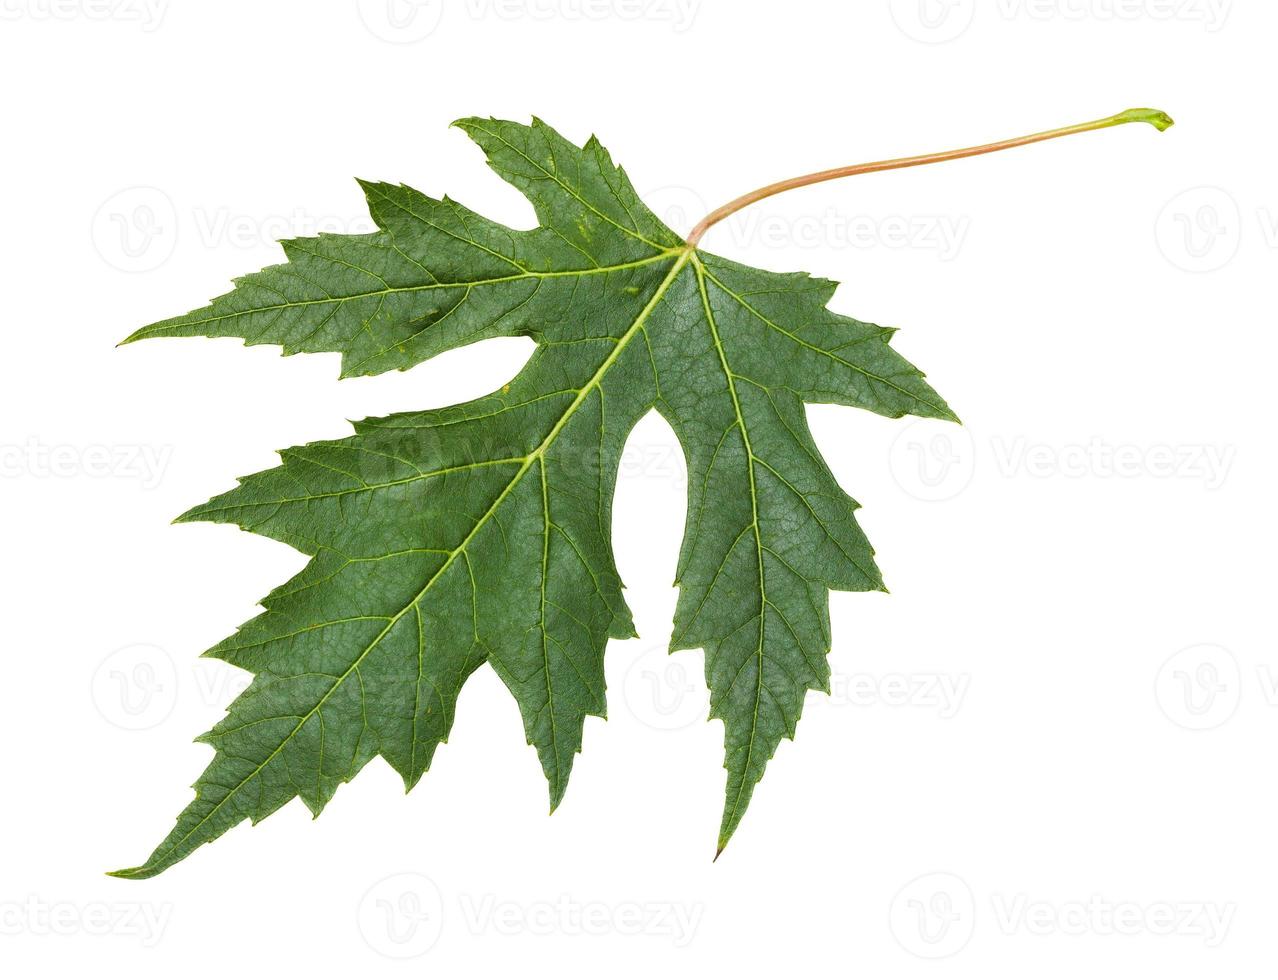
x=479, y=533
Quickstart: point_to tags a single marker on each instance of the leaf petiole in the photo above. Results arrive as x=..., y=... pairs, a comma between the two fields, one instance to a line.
x=1155, y=117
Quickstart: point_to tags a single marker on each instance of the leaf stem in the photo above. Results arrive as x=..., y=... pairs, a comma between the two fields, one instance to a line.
x=1155, y=117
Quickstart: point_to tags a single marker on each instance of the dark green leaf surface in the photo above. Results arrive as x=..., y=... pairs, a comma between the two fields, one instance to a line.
x=480, y=533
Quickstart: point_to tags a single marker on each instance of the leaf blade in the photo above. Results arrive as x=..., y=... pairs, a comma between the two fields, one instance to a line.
x=481, y=533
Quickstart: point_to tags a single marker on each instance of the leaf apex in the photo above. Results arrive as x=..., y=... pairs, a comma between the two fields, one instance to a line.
x=557, y=790
x=371, y=187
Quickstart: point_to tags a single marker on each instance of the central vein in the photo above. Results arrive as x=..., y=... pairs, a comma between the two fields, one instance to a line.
x=730, y=378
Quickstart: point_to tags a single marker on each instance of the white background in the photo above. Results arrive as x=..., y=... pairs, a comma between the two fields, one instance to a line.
x=1019, y=772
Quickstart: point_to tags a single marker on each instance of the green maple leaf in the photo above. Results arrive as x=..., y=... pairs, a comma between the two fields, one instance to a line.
x=479, y=533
